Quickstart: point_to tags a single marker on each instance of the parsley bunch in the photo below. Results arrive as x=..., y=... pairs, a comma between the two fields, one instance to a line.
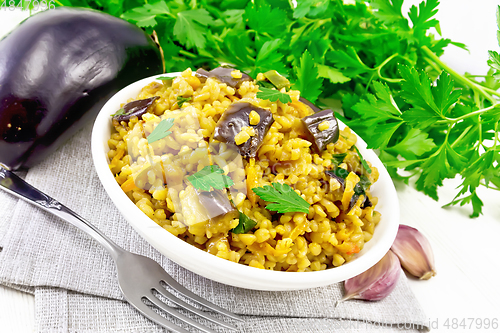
x=385, y=69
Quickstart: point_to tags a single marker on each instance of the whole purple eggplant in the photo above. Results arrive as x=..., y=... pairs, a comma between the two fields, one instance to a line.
x=57, y=69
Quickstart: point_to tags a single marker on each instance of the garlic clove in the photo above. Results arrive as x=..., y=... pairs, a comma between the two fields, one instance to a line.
x=414, y=252
x=375, y=283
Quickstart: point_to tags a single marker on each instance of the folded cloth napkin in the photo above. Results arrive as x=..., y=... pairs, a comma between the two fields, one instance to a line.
x=74, y=279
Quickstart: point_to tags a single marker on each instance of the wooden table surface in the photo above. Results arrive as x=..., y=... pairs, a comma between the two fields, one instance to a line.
x=465, y=294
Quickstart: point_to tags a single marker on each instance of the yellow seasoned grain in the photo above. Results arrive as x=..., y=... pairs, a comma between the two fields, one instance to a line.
x=337, y=260
x=262, y=235
x=324, y=125
x=254, y=118
x=324, y=238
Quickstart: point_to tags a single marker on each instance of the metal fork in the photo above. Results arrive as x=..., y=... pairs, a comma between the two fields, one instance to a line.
x=138, y=276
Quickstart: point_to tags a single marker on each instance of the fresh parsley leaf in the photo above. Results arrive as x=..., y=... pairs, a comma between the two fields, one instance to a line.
x=246, y=224
x=444, y=93
x=264, y=19
x=303, y=8
x=338, y=158
x=191, y=27
x=421, y=17
x=437, y=168
x=494, y=63
x=434, y=171
x=145, y=16
x=181, y=100
x=348, y=61
x=364, y=183
x=269, y=57
x=120, y=112
x=285, y=199
x=230, y=17
x=420, y=118
x=378, y=118
x=166, y=77
x=308, y=82
x=363, y=161
x=415, y=142
x=273, y=95
x=211, y=176
x=471, y=176
x=333, y=74
x=416, y=89
x=161, y=130
x=390, y=12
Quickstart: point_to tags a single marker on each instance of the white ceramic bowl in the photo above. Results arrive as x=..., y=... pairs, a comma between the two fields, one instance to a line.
x=224, y=271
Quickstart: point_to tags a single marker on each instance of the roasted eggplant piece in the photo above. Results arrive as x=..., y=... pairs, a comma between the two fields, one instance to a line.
x=319, y=136
x=217, y=204
x=206, y=206
x=57, y=69
x=359, y=189
x=339, y=174
x=223, y=74
x=134, y=109
x=309, y=104
x=235, y=118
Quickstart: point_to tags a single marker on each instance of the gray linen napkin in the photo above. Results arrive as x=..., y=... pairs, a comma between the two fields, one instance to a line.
x=74, y=279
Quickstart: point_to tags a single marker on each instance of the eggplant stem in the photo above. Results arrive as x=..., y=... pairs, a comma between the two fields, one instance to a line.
x=157, y=41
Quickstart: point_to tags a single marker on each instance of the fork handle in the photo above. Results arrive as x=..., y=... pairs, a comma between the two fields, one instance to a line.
x=14, y=185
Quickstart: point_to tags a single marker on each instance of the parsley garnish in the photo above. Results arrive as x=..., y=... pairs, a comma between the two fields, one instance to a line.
x=285, y=199
x=338, y=158
x=273, y=95
x=166, y=77
x=161, y=130
x=246, y=224
x=181, y=100
x=211, y=176
x=363, y=161
x=120, y=112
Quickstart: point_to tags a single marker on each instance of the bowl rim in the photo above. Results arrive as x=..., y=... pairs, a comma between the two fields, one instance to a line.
x=225, y=271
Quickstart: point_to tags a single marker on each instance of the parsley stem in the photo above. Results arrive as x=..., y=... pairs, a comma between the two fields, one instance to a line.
x=461, y=136
x=468, y=115
x=482, y=182
x=432, y=64
x=369, y=83
x=379, y=69
x=188, y=54
x=477, y=101
x=361, y=61
x=496, y=136
x=491, y=91
x=460, y=78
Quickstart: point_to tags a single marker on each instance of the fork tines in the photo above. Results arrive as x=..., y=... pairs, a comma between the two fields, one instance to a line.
x=157, y=302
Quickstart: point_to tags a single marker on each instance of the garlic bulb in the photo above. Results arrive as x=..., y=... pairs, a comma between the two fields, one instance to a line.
x=375, y=283
x=415, y=252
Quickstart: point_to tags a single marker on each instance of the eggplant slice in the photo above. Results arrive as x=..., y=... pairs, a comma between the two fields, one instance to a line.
x=235, y=118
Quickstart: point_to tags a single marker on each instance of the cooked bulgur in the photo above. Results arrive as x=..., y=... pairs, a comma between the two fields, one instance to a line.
x=153, y=175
